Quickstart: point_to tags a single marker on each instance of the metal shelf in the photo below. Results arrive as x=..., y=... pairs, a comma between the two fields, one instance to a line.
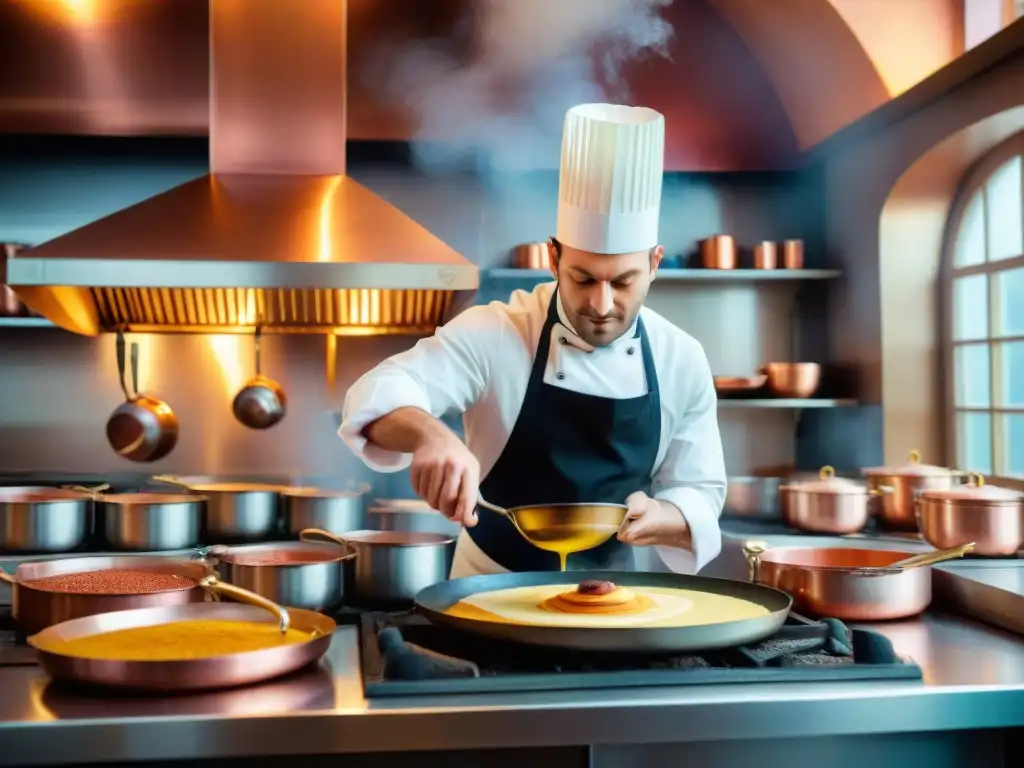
x=792, y=403
x=688, y=275
x=25, y=322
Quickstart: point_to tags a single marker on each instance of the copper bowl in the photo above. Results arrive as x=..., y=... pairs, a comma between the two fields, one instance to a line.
x=797, y=380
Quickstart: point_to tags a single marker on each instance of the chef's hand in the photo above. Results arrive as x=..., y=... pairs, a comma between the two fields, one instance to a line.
x=651, y=521
x=447, y=476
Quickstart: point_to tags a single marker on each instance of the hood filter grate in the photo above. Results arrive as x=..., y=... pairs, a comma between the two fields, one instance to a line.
x=282, y=310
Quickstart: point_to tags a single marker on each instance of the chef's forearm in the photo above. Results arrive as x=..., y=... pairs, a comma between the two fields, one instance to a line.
x=404, y=430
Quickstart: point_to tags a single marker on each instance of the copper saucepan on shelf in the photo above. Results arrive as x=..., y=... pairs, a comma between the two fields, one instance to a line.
x=189, y=674
x=991, y=517
x=901, y=486
x=830, y=505
x=718, y=252
x=846, y=583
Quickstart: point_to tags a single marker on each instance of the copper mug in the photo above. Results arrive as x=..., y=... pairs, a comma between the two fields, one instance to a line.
x=766, y=255
x=718, y=252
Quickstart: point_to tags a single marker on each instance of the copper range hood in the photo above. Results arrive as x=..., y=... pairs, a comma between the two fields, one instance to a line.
x=276, y=235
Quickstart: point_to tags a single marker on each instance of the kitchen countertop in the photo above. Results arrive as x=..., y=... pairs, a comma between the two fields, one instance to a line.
x=973, y=678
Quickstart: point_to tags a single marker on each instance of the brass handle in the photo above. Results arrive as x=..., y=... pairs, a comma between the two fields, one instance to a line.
x=96, y=491
x=171, y=480
x=930, y=558
x=220, y=589
x=976, y=479
x=827, y=472
x=319, y=535
x=752, y=551
x=915, y=457
x=5, y=576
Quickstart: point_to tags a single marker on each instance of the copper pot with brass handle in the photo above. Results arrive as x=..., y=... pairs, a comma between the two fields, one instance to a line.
x=143, y=428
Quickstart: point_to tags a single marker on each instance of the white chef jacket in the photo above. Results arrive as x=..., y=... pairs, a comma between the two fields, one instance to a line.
x=479, y=364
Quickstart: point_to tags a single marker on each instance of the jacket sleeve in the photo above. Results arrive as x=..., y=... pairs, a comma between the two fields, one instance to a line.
x=442, y=374
x=692, y=475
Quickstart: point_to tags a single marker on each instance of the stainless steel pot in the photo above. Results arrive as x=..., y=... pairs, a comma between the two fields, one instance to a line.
x=39, y=519
x=392, y=567
x=900, y=487
x=830, y=504
x=991, y=517
x=297, y=574
x=149, y=522
x=330, y=510
x=236, y=512
x=409, y=515
x=752, y=497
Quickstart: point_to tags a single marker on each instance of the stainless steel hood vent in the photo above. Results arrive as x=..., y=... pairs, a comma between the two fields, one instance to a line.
x=276, y=234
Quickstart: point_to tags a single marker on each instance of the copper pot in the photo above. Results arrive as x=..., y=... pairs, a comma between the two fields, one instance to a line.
x=37, y=609
x=718, y=252
x=825, y=582
x=899, y=488
x=530, y=256
x=797, y=380
x=991, y=517
x=830, y=504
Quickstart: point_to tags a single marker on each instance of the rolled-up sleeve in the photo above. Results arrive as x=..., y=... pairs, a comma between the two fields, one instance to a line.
x=692, y=475
x=441, y=374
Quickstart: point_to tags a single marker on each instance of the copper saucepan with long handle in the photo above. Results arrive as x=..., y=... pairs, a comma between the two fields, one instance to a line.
x=847, y=583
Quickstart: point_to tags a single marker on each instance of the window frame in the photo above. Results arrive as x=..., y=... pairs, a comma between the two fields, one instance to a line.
x=973, y=184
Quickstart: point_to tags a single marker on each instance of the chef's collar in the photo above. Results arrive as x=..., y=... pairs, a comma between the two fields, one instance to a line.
x=579, y=343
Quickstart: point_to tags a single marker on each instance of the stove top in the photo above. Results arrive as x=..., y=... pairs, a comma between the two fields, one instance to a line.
x=404, y=654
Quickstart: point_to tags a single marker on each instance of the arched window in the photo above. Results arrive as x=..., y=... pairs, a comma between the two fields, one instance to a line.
x=984, y=317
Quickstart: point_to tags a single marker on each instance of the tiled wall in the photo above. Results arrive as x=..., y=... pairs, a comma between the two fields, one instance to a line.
x=56, y=389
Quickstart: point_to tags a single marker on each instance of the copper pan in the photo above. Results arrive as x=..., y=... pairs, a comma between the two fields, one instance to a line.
x=36, y=609
x=193, y=674
x=829, y=582
x=990, y=516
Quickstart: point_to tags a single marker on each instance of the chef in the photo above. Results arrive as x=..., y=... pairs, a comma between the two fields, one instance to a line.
x=574, y=392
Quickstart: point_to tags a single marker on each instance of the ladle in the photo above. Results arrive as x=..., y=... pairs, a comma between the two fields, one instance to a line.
x=563, y=528
x=917, y=561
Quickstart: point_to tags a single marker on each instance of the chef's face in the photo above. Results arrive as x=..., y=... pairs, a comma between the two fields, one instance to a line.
x=602, y=294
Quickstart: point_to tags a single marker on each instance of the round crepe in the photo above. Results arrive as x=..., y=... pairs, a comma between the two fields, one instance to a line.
x=671, y=608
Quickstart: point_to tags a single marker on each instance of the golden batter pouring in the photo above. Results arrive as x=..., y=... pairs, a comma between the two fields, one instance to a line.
x=601, y=604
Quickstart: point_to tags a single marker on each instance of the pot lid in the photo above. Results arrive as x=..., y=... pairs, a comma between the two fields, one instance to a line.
x=975, y=491
x=913, y=467
x=827, y=482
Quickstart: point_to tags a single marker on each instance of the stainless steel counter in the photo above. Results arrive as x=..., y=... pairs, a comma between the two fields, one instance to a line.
x=974, y=678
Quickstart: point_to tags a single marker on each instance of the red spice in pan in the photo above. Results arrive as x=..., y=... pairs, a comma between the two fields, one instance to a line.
x=112, y=581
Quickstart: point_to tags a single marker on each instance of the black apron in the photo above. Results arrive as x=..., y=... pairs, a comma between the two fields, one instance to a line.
x=568, y=448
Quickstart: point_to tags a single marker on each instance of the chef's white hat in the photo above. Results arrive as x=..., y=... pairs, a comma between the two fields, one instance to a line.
x=609, y=190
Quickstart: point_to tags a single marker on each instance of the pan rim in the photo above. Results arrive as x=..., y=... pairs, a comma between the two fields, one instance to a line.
x=432, y=601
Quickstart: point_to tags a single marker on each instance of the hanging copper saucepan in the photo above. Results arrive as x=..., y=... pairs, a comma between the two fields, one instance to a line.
x=142, y=428
x=261, y=403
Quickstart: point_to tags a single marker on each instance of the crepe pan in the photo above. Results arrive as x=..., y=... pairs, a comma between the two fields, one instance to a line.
x=434, y=600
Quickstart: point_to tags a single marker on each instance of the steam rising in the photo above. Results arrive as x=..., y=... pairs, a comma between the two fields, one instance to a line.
x=503, y=110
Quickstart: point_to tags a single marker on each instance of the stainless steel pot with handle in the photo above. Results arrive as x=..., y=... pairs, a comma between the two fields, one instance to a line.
x=236, y=512
x=302, y=574
x=43, y=520
x=391, y=567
